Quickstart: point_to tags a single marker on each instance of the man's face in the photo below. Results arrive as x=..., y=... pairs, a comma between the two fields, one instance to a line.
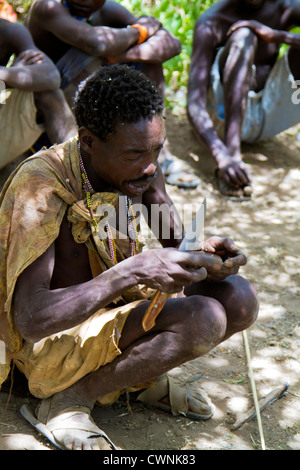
x=127, y=159
x=84, y=8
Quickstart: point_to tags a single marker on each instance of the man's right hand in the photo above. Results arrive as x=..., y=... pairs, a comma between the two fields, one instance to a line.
x=170, y=270
x=234, y=171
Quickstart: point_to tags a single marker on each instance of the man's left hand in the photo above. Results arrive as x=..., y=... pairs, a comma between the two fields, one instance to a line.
x=231, y=255
x=28, y=57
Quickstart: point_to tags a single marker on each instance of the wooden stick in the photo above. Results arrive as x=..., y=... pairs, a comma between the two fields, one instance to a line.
x=154, y=309
x=263, y=402
x=251, y=376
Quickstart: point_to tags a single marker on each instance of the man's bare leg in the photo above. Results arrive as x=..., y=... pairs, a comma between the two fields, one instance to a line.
x=54, y=112
x=186, y=328
x=235, y=64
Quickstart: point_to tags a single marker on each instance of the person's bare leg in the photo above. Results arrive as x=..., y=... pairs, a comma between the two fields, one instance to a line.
x=54, y=112
x=173, y=340
x=236, y=65
x=144, y=357
x=187, y=328
x=238, y=297
x=236, y=62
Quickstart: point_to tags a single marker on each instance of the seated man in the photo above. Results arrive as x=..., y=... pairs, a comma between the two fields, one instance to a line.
x=76, y=283
x=237, y=63
x=80, y=36
x=34, y=103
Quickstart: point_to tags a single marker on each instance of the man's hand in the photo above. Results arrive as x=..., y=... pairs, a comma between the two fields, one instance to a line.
x=170, y=270
x=28, y=57
x=150, y=23
x=231, y=256
x=234, y=171
x=265, y=33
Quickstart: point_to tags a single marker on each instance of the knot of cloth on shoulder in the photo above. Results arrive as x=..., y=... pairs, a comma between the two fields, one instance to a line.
x=79, y=215
x=83, y=231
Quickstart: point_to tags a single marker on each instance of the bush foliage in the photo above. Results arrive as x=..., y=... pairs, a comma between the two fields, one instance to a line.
x=178, y=17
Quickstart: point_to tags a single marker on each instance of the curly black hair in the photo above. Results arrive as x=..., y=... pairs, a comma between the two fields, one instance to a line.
x=113, y=94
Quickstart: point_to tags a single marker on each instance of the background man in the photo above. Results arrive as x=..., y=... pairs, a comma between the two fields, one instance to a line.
x=74, y=300
x=79, y=36
x=235, y=57
x=34, y=103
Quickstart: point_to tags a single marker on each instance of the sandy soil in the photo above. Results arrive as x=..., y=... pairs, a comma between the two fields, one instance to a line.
x=267, y=229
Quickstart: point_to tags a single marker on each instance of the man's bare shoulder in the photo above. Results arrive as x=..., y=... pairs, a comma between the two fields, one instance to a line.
x=46, y=8
x=16, y=36
x=212, y=30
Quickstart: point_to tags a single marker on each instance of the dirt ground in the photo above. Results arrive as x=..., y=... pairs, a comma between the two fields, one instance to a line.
x=267, y=229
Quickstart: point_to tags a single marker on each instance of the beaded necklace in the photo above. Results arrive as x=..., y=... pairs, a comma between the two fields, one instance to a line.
x=131, y=221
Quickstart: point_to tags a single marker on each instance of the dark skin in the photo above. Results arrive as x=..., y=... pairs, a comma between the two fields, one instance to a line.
x=54, y=30
x=33, y=71
x=57, y=290
x=251, y=31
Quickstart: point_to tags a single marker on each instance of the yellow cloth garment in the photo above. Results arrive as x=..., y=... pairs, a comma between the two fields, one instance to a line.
x=33, y=203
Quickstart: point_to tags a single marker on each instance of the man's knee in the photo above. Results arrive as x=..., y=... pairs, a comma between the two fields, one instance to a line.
x=243, y=38
x=238, y=53
x=205, y=321
x=243, y=303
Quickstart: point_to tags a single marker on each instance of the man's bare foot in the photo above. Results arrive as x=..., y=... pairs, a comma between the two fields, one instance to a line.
x=71, y=425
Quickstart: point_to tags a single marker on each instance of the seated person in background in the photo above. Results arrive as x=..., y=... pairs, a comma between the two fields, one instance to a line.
x=76, y=283
x=237, y=82
x=79, y=36
x=32, y=101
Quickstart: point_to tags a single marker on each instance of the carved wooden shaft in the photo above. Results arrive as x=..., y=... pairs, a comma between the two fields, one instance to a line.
x=154, y=309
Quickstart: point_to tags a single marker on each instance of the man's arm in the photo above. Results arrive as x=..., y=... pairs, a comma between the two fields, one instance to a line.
x=40, y=312
x=162, y=216
x=204, y=52
x=158, y=48
x=32, y=70
x=97, y=41
x=268, y=34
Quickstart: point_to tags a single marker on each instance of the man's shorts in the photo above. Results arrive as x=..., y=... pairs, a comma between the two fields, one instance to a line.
x=60, y=360
x=268, y=112
x=18, y=127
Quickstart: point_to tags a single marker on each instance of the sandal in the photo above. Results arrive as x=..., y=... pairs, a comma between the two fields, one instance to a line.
x=178, y=399
x=177, y=174
x=70, y=429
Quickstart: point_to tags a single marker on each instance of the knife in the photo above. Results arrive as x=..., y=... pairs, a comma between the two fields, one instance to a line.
x=189, y=242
